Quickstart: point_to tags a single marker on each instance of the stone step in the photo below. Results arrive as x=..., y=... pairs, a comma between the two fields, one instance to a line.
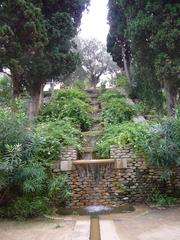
x=91, y=133
x=108, y=230
x=95, y=102
x=81, y=230
x=95, y=110
x=92, y=90
x=87, y=149
x=93, y=95
x=96, y=120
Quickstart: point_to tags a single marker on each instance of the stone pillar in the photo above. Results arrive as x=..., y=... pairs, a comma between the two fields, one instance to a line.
x=65, y=161
x=122, y=156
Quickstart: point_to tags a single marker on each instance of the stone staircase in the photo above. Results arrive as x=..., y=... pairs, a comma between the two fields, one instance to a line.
x=90, y=138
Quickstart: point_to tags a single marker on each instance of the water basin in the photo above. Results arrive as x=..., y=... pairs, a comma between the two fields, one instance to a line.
x=96, y=210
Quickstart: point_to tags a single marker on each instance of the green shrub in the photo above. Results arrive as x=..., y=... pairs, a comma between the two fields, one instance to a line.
x=117, y=110
x=79, y=84
x=70, y=93
x=128, y=133
x=54, y=137
x=177, y=111
x=120, y=81
x=5, y=90
x=68, y=103
x=160, y=199
x=159, y=142
x=110, y=93
x=15, y=130
x=162, y=146
x=24, y=207
x=21, y=176
x=59, y=191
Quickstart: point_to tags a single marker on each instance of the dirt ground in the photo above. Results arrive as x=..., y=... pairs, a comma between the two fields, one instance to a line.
x=142, y=224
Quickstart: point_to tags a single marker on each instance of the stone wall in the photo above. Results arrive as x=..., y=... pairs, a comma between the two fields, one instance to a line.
x=128, y=180
x=65, y=160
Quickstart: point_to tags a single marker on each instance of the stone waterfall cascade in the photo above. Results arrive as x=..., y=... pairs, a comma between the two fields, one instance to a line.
x=89, y=167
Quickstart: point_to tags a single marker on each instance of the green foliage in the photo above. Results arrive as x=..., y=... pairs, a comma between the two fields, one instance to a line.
x=80, y=84
x=178, y=111
x=68, y=103
x=162, y=146
x=148, y=32
x=69, y=93
x=160, y=199
x=5, y=90
x=120, y=81
x=22, y=177
x=14, y=130
x=55, y=136
x=59, y=191
x=110, y=93
x=36, y=42
x=126, y=133
x=159, y=142
x=24, y=207
x=117, y=110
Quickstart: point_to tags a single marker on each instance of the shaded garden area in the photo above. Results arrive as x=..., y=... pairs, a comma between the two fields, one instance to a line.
x=138, y=102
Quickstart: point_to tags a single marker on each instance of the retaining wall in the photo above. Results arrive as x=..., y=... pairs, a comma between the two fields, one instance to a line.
x=128, y=180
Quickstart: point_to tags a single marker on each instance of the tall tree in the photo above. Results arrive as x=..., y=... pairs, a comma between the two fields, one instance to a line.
x=22, y=34
x=95, y=60
x=48, y=55
x=117, y=42
x=152, y=32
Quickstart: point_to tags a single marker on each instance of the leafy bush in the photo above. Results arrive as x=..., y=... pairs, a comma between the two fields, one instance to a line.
x=162, y=146
x=15, y=130
x=27, y=185
x=117, y=110
x=68, y=103
x=110, y=93
x=5, y=90
x=54, y=137
x=59, y=191
x=25, y=207
x=22, y=178
x=128, y=133
x=160, y=199
x=70, y=93
x=80, y=84
x=120, y=81
x=177, y=111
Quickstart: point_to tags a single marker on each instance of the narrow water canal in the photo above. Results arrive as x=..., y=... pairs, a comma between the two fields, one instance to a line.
x=95, y=228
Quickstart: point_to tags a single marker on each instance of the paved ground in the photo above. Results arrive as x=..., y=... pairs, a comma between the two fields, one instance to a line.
x=143, y=224
x=149, y=224
x=41, y=229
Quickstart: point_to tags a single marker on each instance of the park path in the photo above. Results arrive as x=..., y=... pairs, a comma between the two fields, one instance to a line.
x=142, y=224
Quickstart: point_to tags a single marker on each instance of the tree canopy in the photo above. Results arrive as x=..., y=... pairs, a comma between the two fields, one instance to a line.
x=95, y=59
x=151, y=30
x=36, y=42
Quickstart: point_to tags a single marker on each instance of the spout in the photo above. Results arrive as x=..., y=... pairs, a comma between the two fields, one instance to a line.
x=93, y=161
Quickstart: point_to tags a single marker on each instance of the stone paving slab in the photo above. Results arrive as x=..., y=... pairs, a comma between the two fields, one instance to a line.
x=108, y=230
x=81, y=230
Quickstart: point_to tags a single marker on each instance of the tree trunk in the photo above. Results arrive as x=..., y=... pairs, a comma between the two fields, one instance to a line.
x=94, y=81
x=170, y=98
x=35, y=101
x=126, y=65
